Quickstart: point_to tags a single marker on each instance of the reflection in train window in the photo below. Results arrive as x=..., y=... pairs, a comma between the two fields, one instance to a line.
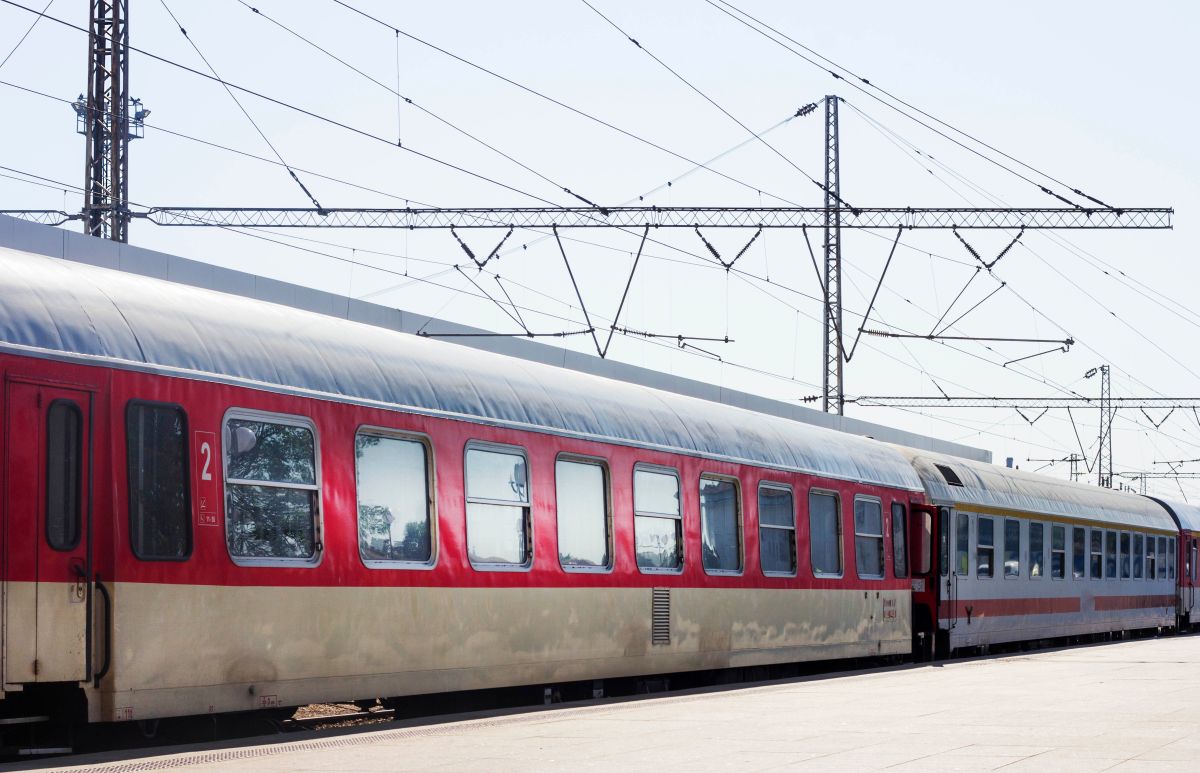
x=1170, y=558
x=1139, y=554
x=657, y=519
x=1012, y=547
x=499, y=532
x=868, y=537
x=1058, y=552
x=776, y=530
x=394, y=523
x=581, y=496
x=1097, y=554
x=899, y=541
x=1125, y=555
x=1110, y=555
x=1037, y=554
x=985, y=547
x=825, y=533
x=962, y=546
x=64, y=453
x=1161, y=559
x=720, y=525
x=1151, y=564
x=160, y=526
x=1079, y=553
x=270, y=489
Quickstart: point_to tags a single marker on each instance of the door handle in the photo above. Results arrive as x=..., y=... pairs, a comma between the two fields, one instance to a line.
x=79, y=592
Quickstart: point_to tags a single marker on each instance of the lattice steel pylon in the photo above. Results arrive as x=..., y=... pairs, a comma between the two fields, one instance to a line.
x=106, y=176
x=1104, y=457
x=832, y=393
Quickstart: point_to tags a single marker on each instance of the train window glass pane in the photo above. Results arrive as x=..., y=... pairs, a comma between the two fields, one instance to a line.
x=1058, y=552
x=1037, y=553
x=64, y=452
x=270, y=489
x=1139, y=553
x=899, y=541
x=1012, y=547
x=962, y=547
x=1110, y=555
x=1171, y=558
x=720, y=526
x=985, y=547
x=1161, y=559
x=160, y=526
x=776, y=530
x=394, y=521
x=1125, y=555
x=868, y=538
x=1150, y=562
x=1097, y=564
x=581, y=491
x=944, y=540
x=1079, y=553
x=657, y=524
x=825, y=533
x=498, y=527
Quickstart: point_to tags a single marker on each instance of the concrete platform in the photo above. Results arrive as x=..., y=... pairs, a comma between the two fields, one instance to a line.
x=1126, y=706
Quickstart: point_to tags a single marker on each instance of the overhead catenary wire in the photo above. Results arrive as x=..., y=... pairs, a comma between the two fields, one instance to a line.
x=36, y=19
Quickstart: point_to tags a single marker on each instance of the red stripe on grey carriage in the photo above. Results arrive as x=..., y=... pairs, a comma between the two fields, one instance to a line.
x=1010, y=607
x=1108, y=603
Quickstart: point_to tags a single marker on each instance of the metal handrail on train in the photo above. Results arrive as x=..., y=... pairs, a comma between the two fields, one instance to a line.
x=107, y=631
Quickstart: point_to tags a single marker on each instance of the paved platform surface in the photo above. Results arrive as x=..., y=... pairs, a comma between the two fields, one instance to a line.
x=1125, y=706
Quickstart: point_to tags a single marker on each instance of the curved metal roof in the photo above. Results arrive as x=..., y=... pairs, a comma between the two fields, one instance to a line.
x=60, y=308
x=1188, y=516
x=990, y=485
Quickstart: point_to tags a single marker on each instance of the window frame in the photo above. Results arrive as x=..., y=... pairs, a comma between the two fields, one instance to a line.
x=1124, y=555
x=1095, y=556
x=1079, y=552
x=1138, y=552
x=1065, y=551
x=979, y=575
x=1041, y=559
x=527, y=506
x=77, y=474
x=602, y=463
x=681, y=535
x=430, y=499
x=187, y=471
x=768, y=484
x=741, y=525
x=841, y=528
x=1004, y=565
x=1172, y=559
x=881, y=537
x=291, y=420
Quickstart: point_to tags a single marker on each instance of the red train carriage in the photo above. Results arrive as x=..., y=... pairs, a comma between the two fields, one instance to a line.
x=1025, y=557
x=1187, y=518
x=214, y=504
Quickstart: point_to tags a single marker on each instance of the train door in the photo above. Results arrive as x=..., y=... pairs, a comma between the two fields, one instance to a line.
x=923, y=562
x=47, y=459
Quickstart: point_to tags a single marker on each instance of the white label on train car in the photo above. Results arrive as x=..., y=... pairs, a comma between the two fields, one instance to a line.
x=207, y=504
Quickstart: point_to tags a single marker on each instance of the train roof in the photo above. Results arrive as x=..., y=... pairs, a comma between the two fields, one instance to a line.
x=1187, y=516
x=62, y=309
x=952, y=480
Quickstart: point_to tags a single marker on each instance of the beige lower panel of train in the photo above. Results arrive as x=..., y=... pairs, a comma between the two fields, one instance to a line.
x=189, y=649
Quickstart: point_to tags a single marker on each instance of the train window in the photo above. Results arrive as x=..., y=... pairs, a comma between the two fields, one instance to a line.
x=1161, y=559
x=944, y=539
x=776, y=530
x=160, y=525
x=395, y=524
x=985, y=547
x=584, y=525
x=1139, y=554
x=720, y=525
x=1058, y=552
x=899, y=541
x=1079, y=553
x=271, y=489
x=1097, y=564
x=1150, y=561
x=962, y=546
x=499, y=532
x=825, y=533
x=1125, y=555
x=1110, y=555
x=1037, y=551
x=1193, y=555
x=64, y=453
x=868, y=537
x=1170, y=557
x=1012, y=547
x=657, y=519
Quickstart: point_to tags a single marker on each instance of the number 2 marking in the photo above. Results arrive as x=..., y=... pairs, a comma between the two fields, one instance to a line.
x=206, y=452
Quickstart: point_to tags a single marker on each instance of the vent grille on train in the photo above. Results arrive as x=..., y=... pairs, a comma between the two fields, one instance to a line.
x=660, y=615
x=950, y=475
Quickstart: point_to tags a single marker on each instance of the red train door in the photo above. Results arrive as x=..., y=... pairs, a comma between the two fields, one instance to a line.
x=48, y=536
x=923, y=546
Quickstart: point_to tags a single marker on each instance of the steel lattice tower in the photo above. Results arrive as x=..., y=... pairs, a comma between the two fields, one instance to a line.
x=833, y=395
x=106, y=174
x=1104, y=456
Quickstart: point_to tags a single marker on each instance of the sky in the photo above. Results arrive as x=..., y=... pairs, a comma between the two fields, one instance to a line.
x=1093, y=94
